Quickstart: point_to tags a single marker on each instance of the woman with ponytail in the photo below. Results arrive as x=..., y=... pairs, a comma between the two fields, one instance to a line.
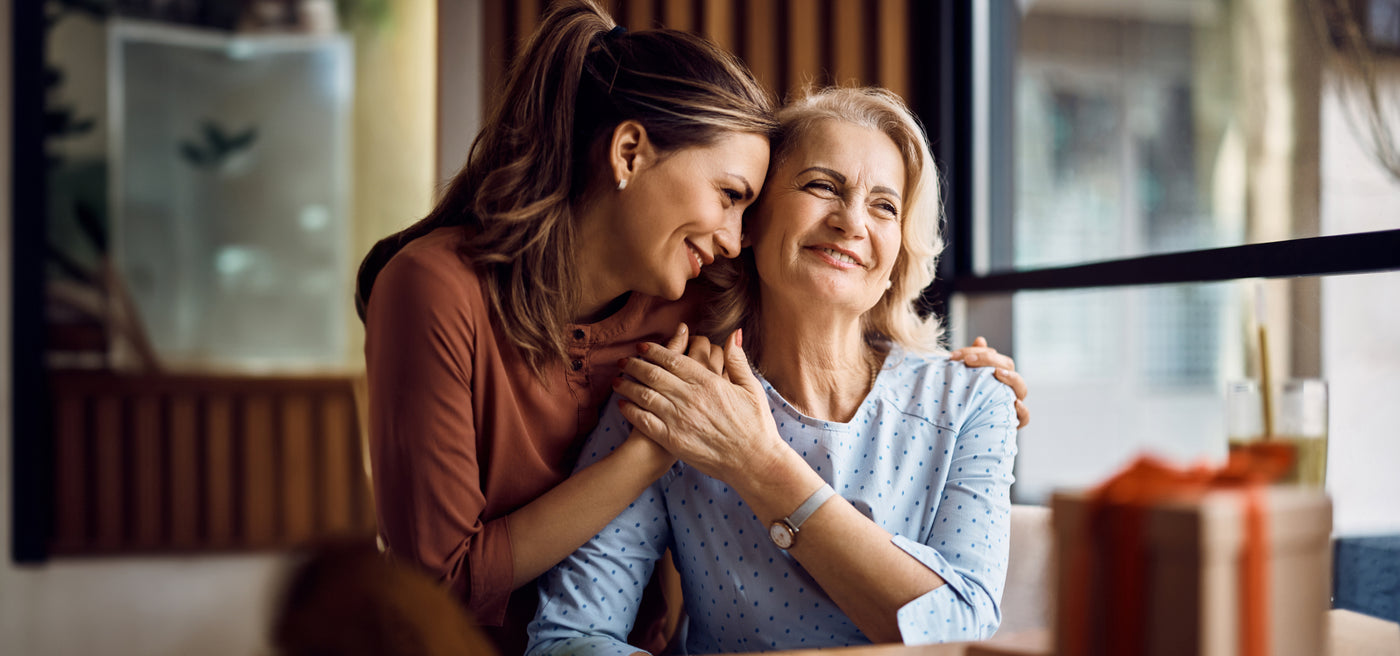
x=613, y=167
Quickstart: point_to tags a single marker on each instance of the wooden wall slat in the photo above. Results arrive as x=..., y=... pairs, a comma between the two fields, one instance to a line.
x=337, y=465
x=71, y=475
x=298, y=469
x=495, y=53
x=220, y=523
x=259, y=485
x=147, y=471
x=637, y=14
x=761, y=42
x=182, y=468
x=719, y=24
x=848, y=43
x=804, y=61
x=679, y=14
x=894, y=52
x=109, y=448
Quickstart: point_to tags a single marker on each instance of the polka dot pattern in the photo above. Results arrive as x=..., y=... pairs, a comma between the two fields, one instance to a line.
x=928, y=457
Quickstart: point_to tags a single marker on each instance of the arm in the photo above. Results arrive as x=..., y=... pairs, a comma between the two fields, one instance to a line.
x=419, y=351
x=588, y=603
x=727, y=432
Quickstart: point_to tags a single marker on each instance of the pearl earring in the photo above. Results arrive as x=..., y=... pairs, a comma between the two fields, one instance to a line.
x=622, y=184
x=889, y=284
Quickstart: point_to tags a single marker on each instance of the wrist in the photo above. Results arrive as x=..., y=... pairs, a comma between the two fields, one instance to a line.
x=777, y=487
x=646, y=454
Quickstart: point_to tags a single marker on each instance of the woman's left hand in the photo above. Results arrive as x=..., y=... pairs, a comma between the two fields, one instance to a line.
x=714, y=416
x=981, y=355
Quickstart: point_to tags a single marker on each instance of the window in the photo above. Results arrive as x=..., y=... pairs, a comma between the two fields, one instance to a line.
x=1123, y=176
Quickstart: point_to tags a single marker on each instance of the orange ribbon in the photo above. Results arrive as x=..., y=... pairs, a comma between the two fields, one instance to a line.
x=1117, y=515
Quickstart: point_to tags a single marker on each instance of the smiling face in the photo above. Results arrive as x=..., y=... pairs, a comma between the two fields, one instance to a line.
x=682, y=210
x=828, y=230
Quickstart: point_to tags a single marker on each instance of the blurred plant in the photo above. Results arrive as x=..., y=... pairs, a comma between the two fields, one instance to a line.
x=371, y=14
x=62, y=121
x=216, y=146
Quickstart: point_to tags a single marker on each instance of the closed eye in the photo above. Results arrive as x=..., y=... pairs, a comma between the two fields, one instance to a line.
x=822, y=185
x=888, y=209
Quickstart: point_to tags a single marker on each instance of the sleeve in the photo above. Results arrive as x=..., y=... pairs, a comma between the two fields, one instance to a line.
x=419, y=353
x=969, y=543
x=588, y=602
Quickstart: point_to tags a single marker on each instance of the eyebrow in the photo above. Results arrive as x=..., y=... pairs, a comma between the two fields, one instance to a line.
x=748, y=189
x=842, y=179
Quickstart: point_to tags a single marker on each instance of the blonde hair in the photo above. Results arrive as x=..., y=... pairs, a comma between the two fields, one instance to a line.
x=541, y=149
x=732, y=286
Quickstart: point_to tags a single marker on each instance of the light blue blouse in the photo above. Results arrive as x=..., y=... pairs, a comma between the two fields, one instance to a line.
x=927, y=456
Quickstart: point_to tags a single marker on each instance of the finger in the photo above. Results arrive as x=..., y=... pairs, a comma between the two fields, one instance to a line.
x=651, y=374
x=677, y=341
x=736, y=364
x=1023, y=415
x=644, y=422
x=980, y=341
x=642, y=396
x=699, y=349
x=716, y=361
x=989, y=358
x=680, y=366
x=1014, y=381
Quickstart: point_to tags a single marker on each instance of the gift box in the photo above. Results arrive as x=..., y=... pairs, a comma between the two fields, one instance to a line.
x=1177, y=563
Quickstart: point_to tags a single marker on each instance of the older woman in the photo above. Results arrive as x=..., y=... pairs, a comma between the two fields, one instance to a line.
x=852, y=486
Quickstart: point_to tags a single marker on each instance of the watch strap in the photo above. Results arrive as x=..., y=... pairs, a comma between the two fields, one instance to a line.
x=810, y=506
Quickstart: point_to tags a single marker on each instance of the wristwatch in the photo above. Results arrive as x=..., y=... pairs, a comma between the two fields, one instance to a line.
x=784, y=531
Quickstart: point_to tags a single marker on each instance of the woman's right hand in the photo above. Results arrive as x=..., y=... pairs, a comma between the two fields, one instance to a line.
x=705, y=406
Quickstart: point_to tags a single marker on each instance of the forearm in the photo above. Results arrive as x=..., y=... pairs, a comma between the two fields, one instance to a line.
x=852, y=558
x=551, y=527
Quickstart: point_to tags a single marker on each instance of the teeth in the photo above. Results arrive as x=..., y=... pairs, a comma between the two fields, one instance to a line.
x=839, y=256
x=695, y=254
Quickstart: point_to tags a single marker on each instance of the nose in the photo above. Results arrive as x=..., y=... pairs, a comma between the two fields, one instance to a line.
x=727, y=237
x=849, y=220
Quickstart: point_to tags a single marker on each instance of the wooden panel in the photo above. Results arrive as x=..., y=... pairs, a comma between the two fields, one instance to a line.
x=637, y=15
x=338, y=476
x=71, y=475
x=678, y=14
x=804, y=60
x=220, y=524
x=259, y=489
x=495, y=55
x=108, y=435
x=719, y=24
x=182, y=467
x=893, y=51
x=297, y=469
x=849, y=42
x=527, y=18
x=147, y=472
x=761, y=43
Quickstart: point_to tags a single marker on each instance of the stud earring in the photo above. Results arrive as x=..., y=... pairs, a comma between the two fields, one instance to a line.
x=889, y=284
x=622, y=184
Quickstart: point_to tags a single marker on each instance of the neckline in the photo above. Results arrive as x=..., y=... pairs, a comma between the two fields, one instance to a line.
x=892, y=358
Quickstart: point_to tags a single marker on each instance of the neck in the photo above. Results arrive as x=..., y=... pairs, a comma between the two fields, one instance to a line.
x=818, y=362
x=600, y=286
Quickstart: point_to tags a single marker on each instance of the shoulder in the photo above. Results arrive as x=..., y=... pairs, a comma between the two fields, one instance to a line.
x=940, y=390
x=427, y=286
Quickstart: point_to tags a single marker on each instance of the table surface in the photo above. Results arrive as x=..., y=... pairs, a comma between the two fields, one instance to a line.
x=1348, y=633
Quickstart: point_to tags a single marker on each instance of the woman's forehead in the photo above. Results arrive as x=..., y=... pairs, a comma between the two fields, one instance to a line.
x=848, y=148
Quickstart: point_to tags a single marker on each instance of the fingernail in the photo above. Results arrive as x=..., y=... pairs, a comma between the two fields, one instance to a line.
x=1001, y=372
x=971, y=358
x=617, y=382
x=621, y=402
x=622, y=363
x=683, y=328
x=739, y=337
x=642, y=347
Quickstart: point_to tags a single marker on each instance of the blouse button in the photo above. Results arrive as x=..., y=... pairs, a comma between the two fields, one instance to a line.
x=577, y=364
x=578, y=333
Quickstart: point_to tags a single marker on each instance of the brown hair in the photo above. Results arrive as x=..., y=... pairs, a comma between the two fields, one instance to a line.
x=732, y=286
x=575, y=81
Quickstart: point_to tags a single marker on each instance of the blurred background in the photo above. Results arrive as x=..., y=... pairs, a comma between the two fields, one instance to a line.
x=191, y=184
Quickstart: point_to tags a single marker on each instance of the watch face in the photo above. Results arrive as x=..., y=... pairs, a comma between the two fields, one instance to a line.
x=781, y=535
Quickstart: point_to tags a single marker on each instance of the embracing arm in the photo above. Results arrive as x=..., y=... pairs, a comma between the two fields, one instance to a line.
x=423, y=447
x=876, y=578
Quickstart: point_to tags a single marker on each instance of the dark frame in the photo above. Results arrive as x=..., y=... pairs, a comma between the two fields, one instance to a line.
x=31, y=446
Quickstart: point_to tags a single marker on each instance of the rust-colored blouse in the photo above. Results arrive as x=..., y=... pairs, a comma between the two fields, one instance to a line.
x=462, y=434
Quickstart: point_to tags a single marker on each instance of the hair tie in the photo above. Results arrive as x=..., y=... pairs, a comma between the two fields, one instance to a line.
x=616, y=31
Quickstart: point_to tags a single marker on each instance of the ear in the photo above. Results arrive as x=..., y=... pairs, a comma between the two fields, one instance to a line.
x=630, y=151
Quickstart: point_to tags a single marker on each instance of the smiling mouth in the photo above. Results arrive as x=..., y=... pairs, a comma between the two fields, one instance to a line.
x=839, y=257
x=695, y=260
